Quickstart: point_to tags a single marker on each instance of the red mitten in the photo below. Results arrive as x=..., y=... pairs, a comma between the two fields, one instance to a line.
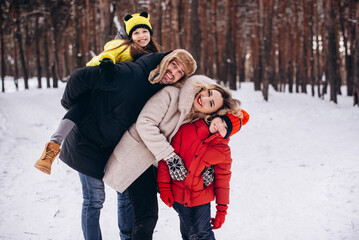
x=220, y=216
x=167, y=196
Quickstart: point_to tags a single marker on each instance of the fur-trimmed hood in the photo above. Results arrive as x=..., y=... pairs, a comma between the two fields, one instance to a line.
x=182, y=55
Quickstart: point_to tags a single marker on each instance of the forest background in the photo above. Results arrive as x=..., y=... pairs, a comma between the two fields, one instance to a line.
x=296, y=46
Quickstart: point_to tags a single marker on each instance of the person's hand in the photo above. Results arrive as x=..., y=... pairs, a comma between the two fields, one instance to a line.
x=218, y=221
x=167, y=196
x=107, y=69
x=176, y=167
x=208, y=175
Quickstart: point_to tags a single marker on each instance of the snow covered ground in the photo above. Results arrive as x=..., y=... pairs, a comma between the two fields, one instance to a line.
x=295, y=172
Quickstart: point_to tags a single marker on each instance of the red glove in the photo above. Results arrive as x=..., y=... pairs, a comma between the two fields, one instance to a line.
x=167, y=196
x=220, y=216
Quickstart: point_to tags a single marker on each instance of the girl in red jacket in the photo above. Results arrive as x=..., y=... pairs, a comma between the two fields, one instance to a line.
x=201, y=147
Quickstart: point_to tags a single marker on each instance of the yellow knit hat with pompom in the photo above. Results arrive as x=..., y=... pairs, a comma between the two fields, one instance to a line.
x=137, y=20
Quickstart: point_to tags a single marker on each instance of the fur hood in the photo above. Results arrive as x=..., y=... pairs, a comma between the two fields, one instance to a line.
x=182, y=55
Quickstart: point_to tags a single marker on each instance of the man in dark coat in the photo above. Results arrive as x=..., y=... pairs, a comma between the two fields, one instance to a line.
x=113, y=105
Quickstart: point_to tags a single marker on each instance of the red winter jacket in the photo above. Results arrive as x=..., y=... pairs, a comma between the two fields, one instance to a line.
x=198, y=151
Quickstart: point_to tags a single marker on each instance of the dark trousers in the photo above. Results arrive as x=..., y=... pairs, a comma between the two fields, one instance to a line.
x=143, y=195
x=183, y=231
x=196, y=221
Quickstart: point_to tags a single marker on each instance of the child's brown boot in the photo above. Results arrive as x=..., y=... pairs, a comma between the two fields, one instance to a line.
x=47, y=157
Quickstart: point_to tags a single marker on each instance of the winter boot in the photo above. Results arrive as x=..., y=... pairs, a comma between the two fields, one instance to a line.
x=47, y=157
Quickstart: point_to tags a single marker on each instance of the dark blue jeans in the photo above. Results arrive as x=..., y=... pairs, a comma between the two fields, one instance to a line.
x=196, y=221
x=93, y=191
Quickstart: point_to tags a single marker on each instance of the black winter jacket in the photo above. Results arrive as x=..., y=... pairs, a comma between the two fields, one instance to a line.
x=113, y=106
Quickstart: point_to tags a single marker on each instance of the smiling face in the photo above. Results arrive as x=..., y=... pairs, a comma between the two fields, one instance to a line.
x=218, y=125
x=208, y=101
x=174, y=72
x=141, y=36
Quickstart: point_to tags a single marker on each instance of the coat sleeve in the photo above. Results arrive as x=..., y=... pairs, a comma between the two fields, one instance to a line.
x=222, y=173
x=148, y=122
x=163, y=175
x=79, y=83
x=121, y=72
x=176, y=141
x=114, y=51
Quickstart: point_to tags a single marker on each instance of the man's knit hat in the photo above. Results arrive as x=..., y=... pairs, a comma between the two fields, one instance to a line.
x=234, y=123
x=183, y=56
x=137, y=20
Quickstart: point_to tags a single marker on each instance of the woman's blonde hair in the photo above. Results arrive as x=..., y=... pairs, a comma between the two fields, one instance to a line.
x=230, y=104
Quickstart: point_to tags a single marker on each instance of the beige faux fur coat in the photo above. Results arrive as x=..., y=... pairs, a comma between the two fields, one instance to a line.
x=148, y=141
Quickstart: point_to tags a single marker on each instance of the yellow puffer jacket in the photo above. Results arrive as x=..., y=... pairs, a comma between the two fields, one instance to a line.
x=111, y=51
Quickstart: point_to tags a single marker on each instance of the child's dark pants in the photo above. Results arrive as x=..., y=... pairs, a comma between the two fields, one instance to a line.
x=196, y=221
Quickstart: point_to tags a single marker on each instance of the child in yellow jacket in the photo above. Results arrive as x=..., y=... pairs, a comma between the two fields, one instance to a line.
x=139, y=33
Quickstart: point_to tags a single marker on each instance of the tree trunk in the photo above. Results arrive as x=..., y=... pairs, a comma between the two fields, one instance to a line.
x=77, y=27
x=310, y=43
x=288, y=60
x=55, y=62
x=291, y=54
x=3, y=73
x=54, y=75
x=46, y=56
x=346, y=33
x=318, y=59
x=332, y=53
x=266, y=9
x=106, y=21
x=165, y=27
x=27, y=43
x=241, y=39
x=305, y=40
x=356, y=59
x=214, y=37
x=16, y=69
x=87, y=44
x=262, y=58
x=257, y=75
x=94, y=29
x=203, y=25
x=255, y=46
x=195, y=33
x=242, y=68
x=175, y=42
x=298, y=48
x=37, y=38
x=67, y=57
x=281, y=42
x=230, y=56
x=18, y=36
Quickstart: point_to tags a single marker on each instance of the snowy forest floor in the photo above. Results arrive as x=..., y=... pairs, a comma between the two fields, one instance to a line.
x=295, y=172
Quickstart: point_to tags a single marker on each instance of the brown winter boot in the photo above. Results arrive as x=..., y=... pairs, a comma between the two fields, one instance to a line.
x=47, y=157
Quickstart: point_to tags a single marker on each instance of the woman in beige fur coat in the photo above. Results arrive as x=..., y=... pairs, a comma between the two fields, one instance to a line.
x=132, y=164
